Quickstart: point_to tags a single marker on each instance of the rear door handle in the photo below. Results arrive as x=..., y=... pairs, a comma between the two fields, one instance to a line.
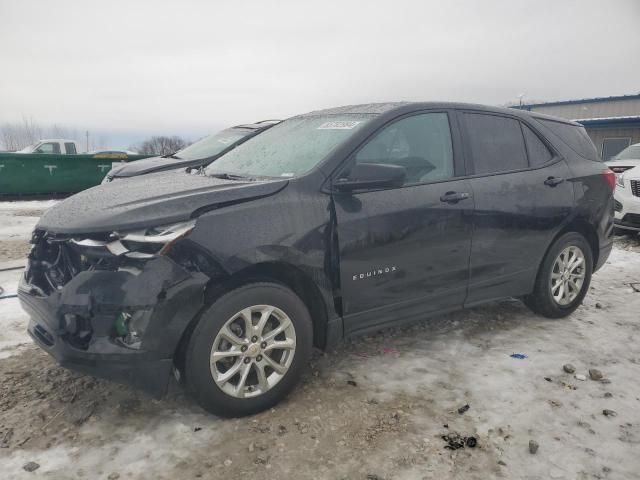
x=553, y=181
x=454, y=197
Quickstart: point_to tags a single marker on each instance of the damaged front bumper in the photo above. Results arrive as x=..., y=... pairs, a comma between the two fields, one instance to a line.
x=123, y=324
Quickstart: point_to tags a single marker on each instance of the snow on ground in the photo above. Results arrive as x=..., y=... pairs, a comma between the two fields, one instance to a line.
x=18, y=218
x=377, y=406
x=13, y=335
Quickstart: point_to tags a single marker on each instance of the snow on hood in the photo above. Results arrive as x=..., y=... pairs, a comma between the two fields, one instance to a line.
x=148, y=200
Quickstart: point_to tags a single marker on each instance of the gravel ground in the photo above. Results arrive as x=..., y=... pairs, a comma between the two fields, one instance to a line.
x=378, y=407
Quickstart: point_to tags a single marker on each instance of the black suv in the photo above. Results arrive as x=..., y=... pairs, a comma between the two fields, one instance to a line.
x=196, y=155
x=328, y=224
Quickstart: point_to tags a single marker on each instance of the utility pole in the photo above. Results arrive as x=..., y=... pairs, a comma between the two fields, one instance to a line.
x=87, y=135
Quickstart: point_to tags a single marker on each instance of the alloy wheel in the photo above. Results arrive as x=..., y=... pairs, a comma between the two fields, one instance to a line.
x=253, y=351
x=567, y=275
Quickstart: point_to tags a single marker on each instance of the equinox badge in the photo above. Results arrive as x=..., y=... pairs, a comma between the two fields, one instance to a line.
x=375, y=273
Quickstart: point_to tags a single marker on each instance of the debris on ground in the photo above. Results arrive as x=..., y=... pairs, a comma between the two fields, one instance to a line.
x=519, y=356
x=390, y=350
x=598, y=305
x=533, y=447
x=463, y=409
x=635, y=286
x=580, y=377
x=595, y=374
x=567, y=367
x=455, y=441
x=609, y=413
x=353, y=383
x=31, y=466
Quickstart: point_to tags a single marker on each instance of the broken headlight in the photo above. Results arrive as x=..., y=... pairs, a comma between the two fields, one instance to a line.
x=138, y=244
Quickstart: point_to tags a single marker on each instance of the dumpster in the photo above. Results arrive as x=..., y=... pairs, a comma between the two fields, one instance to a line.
x=41, y=173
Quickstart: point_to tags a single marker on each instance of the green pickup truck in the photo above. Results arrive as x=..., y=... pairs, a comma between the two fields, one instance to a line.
x=53, y=167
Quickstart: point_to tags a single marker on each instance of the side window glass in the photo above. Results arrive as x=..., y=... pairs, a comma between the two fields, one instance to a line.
x=48, y=148
x=420, y=143
x=70, y=148
x=496, y=143
x=538, y=152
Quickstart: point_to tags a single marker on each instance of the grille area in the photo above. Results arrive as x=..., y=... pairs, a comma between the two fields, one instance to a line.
x=53, y=262
x=635, y=187
x=632, y=219
x=617, y=206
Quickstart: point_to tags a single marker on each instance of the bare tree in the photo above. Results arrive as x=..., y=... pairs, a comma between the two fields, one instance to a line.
x=16, y=136
x=161, y=145
x=19, y=135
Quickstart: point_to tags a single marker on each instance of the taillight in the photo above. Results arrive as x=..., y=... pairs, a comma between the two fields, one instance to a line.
x=610, y=178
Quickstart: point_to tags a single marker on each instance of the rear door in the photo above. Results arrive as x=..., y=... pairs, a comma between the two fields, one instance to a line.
x=405, y=251
x=522, y=197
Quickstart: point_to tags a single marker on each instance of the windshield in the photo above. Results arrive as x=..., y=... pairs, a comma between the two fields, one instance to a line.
x=629, y=153
x=212, y=145
x=28, y=149
x=290, y=148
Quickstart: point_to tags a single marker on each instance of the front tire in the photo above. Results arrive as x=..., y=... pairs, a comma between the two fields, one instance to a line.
x=563, y=278
x=248, y=350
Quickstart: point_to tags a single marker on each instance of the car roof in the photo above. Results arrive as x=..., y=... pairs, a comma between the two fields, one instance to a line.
x=55, y=140
x=405, y=107
x=258, y=125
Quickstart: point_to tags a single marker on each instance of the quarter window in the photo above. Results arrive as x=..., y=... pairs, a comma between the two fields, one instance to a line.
x=496, y=143
x=538, y=152
x=419, y=143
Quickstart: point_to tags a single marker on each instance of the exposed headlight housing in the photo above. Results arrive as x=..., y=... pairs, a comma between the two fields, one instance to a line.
x=138, y=244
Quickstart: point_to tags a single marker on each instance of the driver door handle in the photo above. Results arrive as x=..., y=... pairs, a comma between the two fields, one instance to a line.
x=454, y=197
x=553, y=181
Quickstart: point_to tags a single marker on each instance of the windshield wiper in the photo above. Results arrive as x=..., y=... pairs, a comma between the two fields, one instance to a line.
x=231, y=176
x=172, y=155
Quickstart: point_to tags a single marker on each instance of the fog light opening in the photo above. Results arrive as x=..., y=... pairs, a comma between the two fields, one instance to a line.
x=129, y=328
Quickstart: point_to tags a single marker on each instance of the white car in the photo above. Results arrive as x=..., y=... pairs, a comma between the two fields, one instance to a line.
x=627, y=201
x=626, y=159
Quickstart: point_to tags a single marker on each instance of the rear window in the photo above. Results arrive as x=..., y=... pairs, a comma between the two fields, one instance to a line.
x=496, y=143
x=70, y=148
x=575, y=137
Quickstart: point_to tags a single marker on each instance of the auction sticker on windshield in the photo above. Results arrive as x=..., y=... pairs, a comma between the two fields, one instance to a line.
x=339, y=125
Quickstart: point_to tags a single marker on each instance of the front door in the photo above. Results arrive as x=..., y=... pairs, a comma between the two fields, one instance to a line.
x=405, y=251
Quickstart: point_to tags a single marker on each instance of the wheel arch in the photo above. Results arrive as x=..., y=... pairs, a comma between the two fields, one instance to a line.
x=279, y=272
x=584, y=228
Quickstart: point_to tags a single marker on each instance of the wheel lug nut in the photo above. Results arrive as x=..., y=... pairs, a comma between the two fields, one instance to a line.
x=254, y=339
x=259, y=357
x=247, y=360
x=263, y=345
x=243, y=348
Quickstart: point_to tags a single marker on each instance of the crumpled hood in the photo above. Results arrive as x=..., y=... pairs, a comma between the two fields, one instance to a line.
x=149, y=200
x=153, y=164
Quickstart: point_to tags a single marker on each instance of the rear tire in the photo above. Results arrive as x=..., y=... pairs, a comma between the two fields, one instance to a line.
x=563, y=278
x=248, y=350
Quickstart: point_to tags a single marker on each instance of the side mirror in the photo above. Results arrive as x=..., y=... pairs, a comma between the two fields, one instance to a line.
x=371, y=175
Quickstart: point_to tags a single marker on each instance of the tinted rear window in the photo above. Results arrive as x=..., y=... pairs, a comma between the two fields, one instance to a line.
x=496, y=143
x=575, y=137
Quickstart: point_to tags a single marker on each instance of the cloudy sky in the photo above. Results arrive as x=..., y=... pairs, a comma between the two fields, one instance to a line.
x=130, y=68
